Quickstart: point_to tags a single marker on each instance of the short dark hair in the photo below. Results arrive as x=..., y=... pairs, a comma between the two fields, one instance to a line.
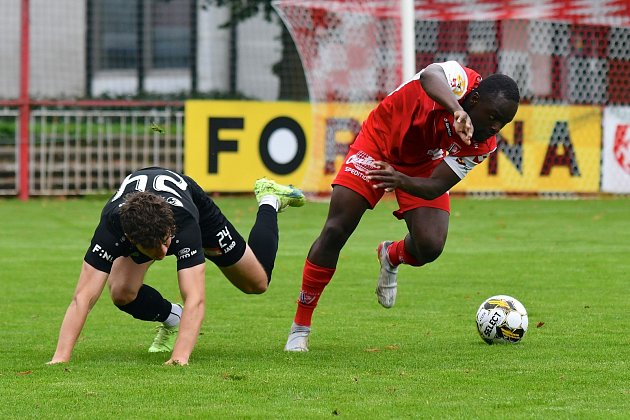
x=147, y=219
x=499, y=84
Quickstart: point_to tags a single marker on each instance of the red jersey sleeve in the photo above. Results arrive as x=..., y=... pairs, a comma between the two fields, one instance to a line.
x=409, y=128
x=461, y=79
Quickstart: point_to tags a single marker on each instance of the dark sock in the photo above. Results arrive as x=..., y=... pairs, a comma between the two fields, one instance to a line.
x=149, y=305
x=263, y=238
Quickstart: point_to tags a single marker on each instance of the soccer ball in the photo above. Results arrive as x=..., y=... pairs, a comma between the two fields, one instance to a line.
x=501, y=319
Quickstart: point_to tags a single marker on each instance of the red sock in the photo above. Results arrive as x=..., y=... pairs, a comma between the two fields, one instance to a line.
x=399, y=255
x=314, y=280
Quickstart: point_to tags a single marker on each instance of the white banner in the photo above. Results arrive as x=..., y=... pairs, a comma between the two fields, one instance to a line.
x=616, y=150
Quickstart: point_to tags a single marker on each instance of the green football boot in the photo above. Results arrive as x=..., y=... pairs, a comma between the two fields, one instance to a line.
x=164, y=340
x=287, y=195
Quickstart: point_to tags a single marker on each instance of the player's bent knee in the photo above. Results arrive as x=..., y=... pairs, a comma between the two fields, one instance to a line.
x=121, y=299
x=247, y=275
x=122, y=296
x=250, y=286
x=431, y=253
x=256, y=289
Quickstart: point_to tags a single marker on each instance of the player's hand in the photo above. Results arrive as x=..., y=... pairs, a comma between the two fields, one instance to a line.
x=176, y=362
x=463, y=126
x=385, y=176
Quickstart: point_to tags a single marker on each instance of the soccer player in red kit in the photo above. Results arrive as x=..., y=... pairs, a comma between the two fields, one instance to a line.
x=418, y=142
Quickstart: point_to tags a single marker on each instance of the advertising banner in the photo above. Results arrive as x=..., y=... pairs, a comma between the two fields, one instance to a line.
x=335, y=127
x=230, y=144
x=616, y=150
x=545, y=148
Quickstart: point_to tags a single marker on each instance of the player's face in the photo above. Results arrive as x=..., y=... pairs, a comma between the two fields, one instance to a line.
x=489, y=116
x=157, y=253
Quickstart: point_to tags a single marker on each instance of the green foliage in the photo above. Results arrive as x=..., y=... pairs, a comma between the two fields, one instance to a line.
x=242, y=10
x=567, y=261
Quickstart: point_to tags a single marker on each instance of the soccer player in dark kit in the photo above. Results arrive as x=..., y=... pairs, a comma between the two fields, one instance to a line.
x=157, y=212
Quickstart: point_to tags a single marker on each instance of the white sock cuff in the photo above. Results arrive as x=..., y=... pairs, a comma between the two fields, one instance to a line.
x=272, y=200
x=175, y=316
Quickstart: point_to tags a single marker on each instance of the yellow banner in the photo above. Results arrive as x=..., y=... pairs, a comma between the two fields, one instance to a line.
x=335, y=126
x=230, y=144
x=545, y=149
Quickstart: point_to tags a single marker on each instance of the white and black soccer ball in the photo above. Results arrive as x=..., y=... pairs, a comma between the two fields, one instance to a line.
x=502, y=319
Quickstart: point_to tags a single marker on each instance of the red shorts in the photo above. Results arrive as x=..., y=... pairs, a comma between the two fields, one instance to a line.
x=352, y=175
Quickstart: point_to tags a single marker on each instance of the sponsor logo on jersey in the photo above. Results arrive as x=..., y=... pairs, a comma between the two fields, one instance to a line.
x=447, y=125
x=356, y=173
x=186, y=253
x=457, y=85
x=98, y=250
x=454, y=148
x=362, y=161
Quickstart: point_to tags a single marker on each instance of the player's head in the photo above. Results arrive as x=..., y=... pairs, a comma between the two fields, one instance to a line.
x=492, y=105
x=148, y=221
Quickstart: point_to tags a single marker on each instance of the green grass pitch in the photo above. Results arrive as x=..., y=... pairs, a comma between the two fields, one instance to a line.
x=567, y=261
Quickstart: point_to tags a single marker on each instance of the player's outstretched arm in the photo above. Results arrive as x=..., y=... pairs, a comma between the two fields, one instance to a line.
x=89, y=288
x=192, y=287
x=442, y=179
x=434, y=82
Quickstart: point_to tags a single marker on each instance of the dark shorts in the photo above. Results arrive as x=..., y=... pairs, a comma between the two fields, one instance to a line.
x=222, y=243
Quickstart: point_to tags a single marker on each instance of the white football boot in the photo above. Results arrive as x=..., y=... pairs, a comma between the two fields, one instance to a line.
x=387, y=285
x=298, y=338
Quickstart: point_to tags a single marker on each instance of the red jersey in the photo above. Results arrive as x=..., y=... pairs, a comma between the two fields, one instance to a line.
x=408, y=128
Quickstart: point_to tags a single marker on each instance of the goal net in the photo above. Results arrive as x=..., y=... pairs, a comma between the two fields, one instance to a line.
x=570, y=58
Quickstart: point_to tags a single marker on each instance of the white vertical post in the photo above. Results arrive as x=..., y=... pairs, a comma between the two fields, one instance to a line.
x=407, y=38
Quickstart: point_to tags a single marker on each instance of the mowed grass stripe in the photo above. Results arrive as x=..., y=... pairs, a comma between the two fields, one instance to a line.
x=567, y=261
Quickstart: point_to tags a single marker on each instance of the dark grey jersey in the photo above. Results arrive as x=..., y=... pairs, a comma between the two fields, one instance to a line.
x=181, y=192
